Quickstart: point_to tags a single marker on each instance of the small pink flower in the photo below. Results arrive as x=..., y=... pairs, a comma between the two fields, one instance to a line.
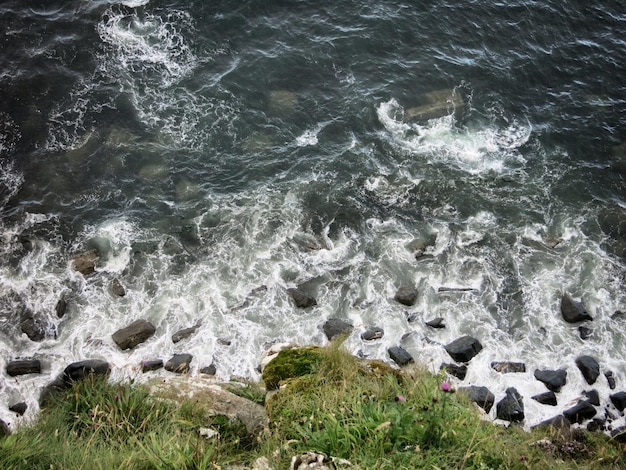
x=445, y=387
x=400, y=398
x=116, y=397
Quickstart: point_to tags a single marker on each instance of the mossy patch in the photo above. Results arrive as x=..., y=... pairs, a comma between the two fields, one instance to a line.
x=291, y=363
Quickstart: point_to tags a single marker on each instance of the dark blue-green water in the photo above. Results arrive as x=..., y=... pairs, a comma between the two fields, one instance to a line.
x=218, y=153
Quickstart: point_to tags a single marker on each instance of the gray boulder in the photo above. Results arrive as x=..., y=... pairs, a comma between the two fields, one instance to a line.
x=24, y=366
x=436, y=323
x=406, y=296
x=302, y=299
x=553, y=379
x=400, y=356
x=458, y=371
x=589, y=368
x=372, y=334
x=19, y=408
x=580, y=412
x=335, y=327
x=463, y=349
x=150, y=365
x=507, y=367
x=511, y=407
x=85, y=263
x=573, y=311
x=619, y=400
x=179, y=363
x=36, y=329
x=479, y=395
x=80, y=370
x=135, y=333
x=184, y=333
x=547, y=398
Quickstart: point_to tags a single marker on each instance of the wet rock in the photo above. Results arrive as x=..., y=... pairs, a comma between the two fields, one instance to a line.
x=479, y=395
x=580, y=412
x=4, y=429
x=553, y=379
x=593, y=397
x=610, y=378
x=589, y=368
x=135, y=333
x=153, y=364
x=584, y=332
x=455, y=370
x=400, y=356
x=463, y=349
x=596, y=424
x=511, y=407
x=406, y=296
x=619, y=434
x=336, y=327
x=573, y=311
x=184, y=333
x=436, y=323
x=618, y=315
x=19, y=408
x=301, y=299
x=437, y=104
x=560, y=423
x=372, y=334
x=117, y=288
x=179, y=363
x=209, y=370
x=24, y=366
x=82, y=369
x=507, y=367
x=35, y=329
x=85, y=263
x=619, y=400
x=61, y=308
x=547, y=398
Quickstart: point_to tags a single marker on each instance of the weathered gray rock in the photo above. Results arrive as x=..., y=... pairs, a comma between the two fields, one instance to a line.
x=24, y=366
x=589, y=368
x=19, y=408
x=302, y=299
x=372, y=333
x=610, y=378
x=511, y=407
x=458, y=371
x=400, y=356
x=619, y=400
x=406, y=296
x=117, y=288
x=209, y=370
x=559, y=423
x=335, y=327
x=61, y=308
x=150, y=365
x=479, y=395
x=436, y=323
x=184, y=333
x=179, y=363
x=85, y=263
x=573, y=311
x=553, y=379
x=463, y=349
x=593, y=397
x=584, y=332
x=507, y=367
x=547, y=398
x=36, y=329
x=580, y=412
x=82, y=369
x=135, y=333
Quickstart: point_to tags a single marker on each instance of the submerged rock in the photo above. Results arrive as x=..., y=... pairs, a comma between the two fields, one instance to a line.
x=335, y=327
x=400, y=356
x=507, y=367
x=436, y=323
x=61, y=308
x=511, y=407
x=301, y=299
x=406, y=295
x=35, y=328
x=573, y=311
x=553, y=379
x=135, y=333
x=85, y=263
x=438, y=104
x=463, y=349
x=589, y=368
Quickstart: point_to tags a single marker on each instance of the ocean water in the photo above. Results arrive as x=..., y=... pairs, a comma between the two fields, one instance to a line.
x=220, y=153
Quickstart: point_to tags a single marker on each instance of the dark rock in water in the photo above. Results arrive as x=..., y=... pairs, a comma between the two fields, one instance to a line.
x=4, y=429
x=135, y=333
x=618, y=315
x=463, y=349
x=479, y=395
x=507, y=367
x=24, y=366
x=400, y=356
x=82, y=369
x=610, y=378
x=619, y=400
x=455, y=370
x=19, y=408
x=589, y=368
x=335, y=327
x=572, y=311
x=184, y=333
x=596, y=424
x=406, y=296
x=412, y=318
x=619, y=434
x=179, y=363
x=209, y=370
x=85, y=263
x=61, y=308
x=301, y=299
x=27, y=243
x=35, y=329
x=547, y=398
x=372, y=333
x=593, y=397
x=584, y=332
x=436, y=323
x=553, y=379
x=560, y=423
x=224, y=341
x=117, y=288
x=580, y=412
x=154, y=364
x=511, y=407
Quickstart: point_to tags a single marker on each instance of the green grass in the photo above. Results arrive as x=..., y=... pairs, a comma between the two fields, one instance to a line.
x=365, y=412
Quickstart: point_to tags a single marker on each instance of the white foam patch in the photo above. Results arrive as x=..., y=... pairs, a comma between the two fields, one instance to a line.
x=477, y=150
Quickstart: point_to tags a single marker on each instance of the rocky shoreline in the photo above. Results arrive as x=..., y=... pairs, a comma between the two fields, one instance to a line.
x=589, y=411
